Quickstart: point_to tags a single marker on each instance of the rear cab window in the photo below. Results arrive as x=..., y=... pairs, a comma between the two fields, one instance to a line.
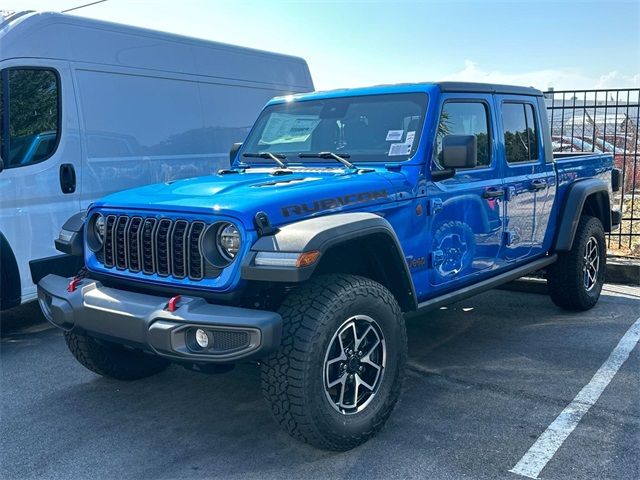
x=30, y=115
x=521, y=136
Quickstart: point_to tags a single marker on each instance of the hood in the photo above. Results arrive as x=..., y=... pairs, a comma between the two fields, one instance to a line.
x=285, y=198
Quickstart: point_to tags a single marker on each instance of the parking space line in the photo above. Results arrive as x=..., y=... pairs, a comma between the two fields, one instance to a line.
x=547, y=444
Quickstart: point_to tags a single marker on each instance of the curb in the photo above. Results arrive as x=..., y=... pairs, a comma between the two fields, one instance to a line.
x=623, y=270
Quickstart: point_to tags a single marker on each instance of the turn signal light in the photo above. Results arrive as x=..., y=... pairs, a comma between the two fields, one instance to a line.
x=307, y=258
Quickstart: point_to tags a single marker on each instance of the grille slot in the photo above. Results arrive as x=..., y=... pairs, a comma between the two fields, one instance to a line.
x=164, y=246
x=108, y=240
x=229, y=340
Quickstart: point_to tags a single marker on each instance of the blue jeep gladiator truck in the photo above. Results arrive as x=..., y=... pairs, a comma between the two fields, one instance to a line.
x=340, y=212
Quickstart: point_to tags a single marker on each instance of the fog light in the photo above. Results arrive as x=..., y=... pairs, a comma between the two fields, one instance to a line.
x=202, y=339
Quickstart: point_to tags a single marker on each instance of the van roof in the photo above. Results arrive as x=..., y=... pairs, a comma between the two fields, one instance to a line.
x=78, y=39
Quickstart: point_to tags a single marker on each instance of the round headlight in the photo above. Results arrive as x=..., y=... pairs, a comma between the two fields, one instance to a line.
x=95, y=232
x=228, y=240
x=220, y=244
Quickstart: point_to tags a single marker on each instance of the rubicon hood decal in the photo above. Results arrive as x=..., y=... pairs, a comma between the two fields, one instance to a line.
x=331, y=203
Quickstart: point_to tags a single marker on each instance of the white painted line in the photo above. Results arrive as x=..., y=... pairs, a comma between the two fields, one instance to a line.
x=547, y=444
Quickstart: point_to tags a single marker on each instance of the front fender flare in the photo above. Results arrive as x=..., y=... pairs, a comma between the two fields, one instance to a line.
x=321, y=234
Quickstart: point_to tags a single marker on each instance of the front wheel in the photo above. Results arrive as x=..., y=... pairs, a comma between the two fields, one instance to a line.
x=576, y=279
x=337, y=376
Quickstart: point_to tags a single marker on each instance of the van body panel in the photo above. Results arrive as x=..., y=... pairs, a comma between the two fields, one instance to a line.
x=137, y=107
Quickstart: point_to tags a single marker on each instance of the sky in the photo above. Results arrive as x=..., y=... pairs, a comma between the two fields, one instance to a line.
x=563, y=44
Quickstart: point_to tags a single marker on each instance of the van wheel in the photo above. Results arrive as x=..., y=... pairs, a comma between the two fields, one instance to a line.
x=337, y=376
x=112, y=360
x=576, y=279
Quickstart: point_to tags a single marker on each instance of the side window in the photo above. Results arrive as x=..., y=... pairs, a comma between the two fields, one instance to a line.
x=521, y=140
x=30, y=115
x=464, y=118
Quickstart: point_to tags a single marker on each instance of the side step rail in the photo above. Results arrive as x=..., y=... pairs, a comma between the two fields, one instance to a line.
x=485, y=285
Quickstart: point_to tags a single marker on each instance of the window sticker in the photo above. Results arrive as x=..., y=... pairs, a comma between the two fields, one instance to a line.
x=394, y=135
x=399, y=149
x=285, y=128
x=403, y=148
x=410, y=137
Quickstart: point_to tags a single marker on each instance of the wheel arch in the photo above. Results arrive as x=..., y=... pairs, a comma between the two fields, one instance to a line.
x=589, y=196
x=10, y=285
x=355, y=243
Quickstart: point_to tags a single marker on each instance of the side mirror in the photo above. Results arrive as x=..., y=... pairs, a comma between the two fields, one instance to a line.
x=459, y=151
x=233, y=152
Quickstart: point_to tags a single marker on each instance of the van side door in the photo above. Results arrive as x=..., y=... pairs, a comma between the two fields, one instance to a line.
x=466, y=211
x=41, y=156
x=529, y=178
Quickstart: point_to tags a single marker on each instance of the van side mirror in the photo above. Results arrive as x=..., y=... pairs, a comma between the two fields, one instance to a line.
x=459, y=151
x=233, y=152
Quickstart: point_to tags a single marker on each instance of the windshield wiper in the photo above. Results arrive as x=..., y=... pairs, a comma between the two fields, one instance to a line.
x=273, y=156
x=341, y=158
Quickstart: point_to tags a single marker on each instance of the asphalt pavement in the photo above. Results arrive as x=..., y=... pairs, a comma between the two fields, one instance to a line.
x=486, y=377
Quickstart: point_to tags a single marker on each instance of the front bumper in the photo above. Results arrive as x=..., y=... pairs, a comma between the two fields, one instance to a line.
x=143, y=321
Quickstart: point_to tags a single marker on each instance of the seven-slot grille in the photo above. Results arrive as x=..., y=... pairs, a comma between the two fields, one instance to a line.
x=155, y=245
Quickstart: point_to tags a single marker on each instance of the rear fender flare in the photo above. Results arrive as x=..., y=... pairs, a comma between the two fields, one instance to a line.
x=590, y=194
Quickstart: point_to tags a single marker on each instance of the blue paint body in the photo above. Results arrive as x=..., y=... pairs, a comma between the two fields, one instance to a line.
x=432, y=220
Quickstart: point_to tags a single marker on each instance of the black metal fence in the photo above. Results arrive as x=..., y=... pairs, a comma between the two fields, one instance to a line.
x=604, y=121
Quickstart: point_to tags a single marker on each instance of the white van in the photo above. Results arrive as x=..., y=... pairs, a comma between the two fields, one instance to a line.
x=90, y=107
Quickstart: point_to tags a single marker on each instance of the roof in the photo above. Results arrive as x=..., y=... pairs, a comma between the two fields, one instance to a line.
x=78, y=39
x=488, y=88
x=425, y=87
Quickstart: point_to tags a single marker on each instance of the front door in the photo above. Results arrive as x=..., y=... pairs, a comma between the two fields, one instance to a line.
x=466, y=211
x=41, y=157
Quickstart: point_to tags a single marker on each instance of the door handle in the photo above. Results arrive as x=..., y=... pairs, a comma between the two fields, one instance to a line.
x=538, y=185
x=492, y=193
x=67, y=178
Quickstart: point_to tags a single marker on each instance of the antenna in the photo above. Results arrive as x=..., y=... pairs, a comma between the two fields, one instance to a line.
x=82, y=6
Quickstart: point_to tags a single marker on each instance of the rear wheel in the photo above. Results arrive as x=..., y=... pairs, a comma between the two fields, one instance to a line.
x=576, y=279
x=337, y=377
x=112, y=360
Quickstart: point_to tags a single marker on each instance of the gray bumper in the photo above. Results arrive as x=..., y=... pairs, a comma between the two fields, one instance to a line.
x=143, y=320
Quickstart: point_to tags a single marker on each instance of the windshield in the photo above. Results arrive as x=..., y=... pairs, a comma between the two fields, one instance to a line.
x=380, y=128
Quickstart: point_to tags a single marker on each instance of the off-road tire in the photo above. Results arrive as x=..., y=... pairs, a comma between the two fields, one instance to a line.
x=292, y=377
x=565, y=277
x=111, y=360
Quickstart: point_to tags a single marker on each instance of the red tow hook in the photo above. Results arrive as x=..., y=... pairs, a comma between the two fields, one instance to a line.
x=73, y=284
x=173, y=303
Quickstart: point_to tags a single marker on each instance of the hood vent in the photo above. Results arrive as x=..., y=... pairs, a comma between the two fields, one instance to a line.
x=283, y=183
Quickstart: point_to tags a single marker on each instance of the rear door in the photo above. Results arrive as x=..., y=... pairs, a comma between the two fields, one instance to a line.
x=528, y=178
x=38, y=186
x=466, y=211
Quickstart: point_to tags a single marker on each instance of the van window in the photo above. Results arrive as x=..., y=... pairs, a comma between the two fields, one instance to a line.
x=520, y=132
x=464, y=118
x=30, y=115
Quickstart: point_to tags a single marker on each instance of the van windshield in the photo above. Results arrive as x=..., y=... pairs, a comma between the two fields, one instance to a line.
x=379, y=128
